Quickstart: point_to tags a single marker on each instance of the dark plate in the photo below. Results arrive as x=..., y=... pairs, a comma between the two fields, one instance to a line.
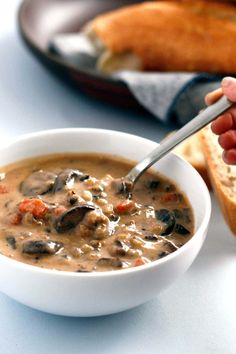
x=40, y=20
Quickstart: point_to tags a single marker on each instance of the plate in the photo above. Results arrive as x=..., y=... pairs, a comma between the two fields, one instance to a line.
x=40, y=20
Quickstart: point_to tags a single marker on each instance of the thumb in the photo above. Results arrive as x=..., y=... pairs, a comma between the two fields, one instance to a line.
x=228, y=85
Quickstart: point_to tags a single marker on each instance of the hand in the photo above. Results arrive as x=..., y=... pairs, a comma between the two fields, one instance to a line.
x=225, y=125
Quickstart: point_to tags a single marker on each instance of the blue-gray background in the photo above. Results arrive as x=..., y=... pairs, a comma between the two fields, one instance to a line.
x=196, y=315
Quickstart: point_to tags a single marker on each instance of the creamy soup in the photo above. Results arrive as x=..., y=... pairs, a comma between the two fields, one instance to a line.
x=65, y=212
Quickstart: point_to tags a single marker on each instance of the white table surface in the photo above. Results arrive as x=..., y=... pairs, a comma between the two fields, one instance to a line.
x=196, y=315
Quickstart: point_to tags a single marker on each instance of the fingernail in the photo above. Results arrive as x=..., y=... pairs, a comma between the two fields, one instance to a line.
x=226, y=81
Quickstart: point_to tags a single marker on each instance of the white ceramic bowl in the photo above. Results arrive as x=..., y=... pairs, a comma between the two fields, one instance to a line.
x=94, y=294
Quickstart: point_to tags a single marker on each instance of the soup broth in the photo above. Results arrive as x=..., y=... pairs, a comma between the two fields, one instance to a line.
x=64, y=212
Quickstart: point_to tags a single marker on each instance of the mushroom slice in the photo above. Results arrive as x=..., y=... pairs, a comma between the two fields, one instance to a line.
x=38, y=183
x=11, y=240
x=167, y=217
x=41, y=247
x=72, y=217
x=110, y=262
x=122, y=185
x=119, y=249
x=67, y=178
x=181, y=230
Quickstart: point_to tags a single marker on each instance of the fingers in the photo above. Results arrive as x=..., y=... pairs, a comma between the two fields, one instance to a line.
x=228, y=86
x=213, y=96
x=229, y=157
x=222, y=123
x=225, y=125
x=228, y=140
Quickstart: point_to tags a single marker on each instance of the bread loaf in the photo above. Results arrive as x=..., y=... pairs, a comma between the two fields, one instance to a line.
x=222, y=176
x=167, y=36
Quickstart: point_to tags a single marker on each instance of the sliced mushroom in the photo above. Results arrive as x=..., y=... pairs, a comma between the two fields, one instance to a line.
x=178, y=213
x=41, y=247
x=153, y=184
x=163, y=254
x=110, y=262
x=187, y=215
x=118, y=249
x=72, y=217
x=84, y=178
x=11, y=242
x=67, y=178
x=180, y=229
x=167, y=217
x=182, y=214
x=151, y=238
x=170, y=246
x=121, y=185
x=38, y=183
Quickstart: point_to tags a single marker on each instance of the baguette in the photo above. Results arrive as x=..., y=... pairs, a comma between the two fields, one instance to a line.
x=222, y=176
x=167, y=36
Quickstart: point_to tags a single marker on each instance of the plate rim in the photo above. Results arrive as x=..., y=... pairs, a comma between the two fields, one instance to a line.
x=52, y=58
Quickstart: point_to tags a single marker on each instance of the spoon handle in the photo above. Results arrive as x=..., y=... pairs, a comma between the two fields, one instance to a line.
x=200, y=121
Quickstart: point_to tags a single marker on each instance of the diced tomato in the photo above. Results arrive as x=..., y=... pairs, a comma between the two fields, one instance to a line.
x=139, y=261
x=3, y=189
x=59, y=210
x=125, y=206
x=15, y=219
x=169, y=198
x=34, y=206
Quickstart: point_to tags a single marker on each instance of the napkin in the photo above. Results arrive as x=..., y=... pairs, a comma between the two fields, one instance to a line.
x=171, y=97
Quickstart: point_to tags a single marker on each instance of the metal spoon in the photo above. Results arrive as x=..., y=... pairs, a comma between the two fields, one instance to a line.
x=200, y=121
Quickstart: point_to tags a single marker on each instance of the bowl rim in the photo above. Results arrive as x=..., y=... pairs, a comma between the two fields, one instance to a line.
x=125, y=272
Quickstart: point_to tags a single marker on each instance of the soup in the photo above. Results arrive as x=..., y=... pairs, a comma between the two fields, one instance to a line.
x=65, y=212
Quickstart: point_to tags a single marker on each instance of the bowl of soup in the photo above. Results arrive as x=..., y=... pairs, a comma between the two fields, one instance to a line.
x=74, y=242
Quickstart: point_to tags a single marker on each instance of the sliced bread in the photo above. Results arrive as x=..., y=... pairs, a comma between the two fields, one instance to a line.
x=222, y=176
x=191, y=151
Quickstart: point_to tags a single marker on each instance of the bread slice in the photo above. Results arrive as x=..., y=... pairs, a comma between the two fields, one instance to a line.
x=191, y=151
x=191, y=35
x=222, y=176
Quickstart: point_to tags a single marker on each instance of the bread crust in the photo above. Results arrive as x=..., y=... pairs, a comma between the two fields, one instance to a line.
x=221, y=176
x=173, y=35
x=191, y=151
x=202, y=170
